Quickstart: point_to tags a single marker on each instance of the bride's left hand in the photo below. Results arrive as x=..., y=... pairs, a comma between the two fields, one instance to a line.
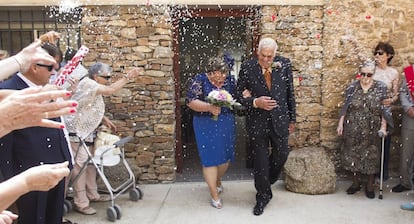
x=246, y=94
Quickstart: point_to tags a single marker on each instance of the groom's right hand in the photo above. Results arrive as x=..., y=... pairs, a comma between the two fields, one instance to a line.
x=265, y=103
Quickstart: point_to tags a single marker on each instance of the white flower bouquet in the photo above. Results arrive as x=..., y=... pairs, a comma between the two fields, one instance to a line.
x=221, y=98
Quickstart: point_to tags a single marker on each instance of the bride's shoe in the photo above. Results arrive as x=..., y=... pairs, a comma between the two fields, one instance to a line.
x=216, y=204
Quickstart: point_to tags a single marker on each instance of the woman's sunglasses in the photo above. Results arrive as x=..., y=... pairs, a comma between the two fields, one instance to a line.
x=366, y=74
x=49, y=67
x=379, y=52
x=106, y=77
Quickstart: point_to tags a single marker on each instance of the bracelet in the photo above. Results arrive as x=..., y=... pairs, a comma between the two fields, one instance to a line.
x=127, y=78
x=18, y=62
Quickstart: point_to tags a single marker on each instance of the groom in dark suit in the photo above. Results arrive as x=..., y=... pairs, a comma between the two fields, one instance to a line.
x=265, y=88
x=29, y=147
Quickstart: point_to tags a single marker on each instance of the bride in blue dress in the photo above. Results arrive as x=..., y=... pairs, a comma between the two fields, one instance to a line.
x=215, y=138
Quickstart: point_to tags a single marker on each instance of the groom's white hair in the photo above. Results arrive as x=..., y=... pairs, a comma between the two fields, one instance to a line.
x=267, y=42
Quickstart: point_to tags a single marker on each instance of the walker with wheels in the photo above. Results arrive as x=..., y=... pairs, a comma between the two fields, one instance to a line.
x=106, y=156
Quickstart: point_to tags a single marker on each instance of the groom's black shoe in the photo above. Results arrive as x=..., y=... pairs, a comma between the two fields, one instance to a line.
x=259, y=207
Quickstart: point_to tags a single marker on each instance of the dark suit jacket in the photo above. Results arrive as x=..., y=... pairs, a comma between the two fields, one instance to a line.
x=28, y=147
x=251, y=78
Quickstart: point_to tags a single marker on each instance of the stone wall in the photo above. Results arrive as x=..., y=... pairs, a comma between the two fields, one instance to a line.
x=126, y=37
x=313, y=37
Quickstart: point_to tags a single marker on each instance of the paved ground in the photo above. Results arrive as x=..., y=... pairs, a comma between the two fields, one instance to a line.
x=189, y=203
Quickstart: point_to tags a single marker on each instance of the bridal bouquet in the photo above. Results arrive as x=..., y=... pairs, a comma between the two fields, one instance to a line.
x=221, y=98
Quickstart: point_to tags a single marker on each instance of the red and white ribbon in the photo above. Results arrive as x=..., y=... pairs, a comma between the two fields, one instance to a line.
x=71, y=65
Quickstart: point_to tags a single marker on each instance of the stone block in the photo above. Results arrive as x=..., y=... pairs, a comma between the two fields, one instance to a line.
x=310, y=171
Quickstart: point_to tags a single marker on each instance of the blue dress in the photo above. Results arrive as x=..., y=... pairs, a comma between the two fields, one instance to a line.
x=215, y=139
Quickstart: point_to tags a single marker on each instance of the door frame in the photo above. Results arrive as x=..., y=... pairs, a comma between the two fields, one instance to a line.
x=248, y=11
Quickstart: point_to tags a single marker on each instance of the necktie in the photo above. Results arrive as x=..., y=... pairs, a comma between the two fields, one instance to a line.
x=268, y=78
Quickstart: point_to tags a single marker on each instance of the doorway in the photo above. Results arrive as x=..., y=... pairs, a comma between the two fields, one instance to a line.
x=200, y=34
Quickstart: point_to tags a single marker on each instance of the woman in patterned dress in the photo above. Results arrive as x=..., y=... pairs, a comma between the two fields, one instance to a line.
x=89, y=93
x=362, y=118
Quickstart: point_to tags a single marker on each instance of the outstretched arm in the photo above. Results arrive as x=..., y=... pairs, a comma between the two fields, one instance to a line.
x=38, y=178
x=22, y=60
x=31, y=107
x=111, y=89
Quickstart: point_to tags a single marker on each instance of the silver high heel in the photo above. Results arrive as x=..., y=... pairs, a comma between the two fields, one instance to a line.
x=216, y=204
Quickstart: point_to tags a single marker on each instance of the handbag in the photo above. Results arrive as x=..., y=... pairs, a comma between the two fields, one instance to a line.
x=105, y=138
x=103, y=142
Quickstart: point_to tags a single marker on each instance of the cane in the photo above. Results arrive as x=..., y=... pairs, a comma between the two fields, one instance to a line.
x=382, y=136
